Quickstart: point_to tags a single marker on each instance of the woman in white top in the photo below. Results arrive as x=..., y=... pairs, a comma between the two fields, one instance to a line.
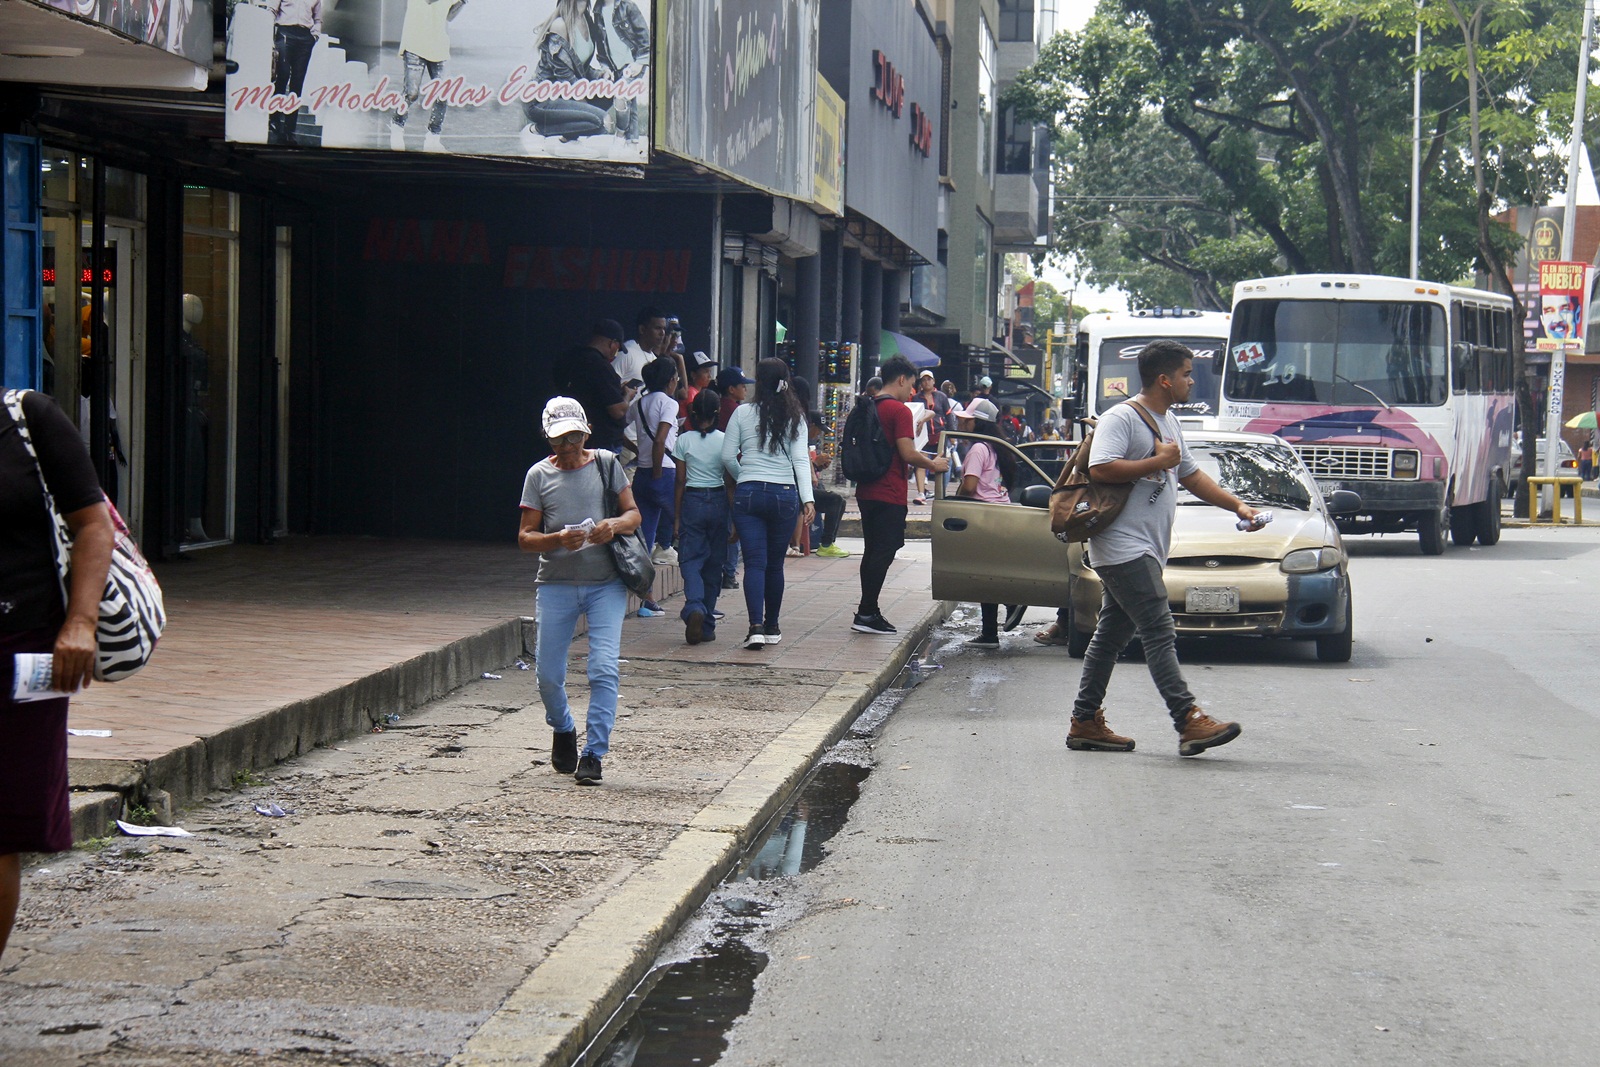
x=765, y=451
x=655, y=425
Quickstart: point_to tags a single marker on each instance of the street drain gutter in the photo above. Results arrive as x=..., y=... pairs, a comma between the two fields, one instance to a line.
x=570, y=996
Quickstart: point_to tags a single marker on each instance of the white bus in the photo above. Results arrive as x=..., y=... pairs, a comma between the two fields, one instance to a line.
x=1108, y=357
x=1397, y=390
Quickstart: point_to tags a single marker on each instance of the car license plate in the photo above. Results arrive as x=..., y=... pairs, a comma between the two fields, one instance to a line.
x=1212, y=600
x=1327, y=489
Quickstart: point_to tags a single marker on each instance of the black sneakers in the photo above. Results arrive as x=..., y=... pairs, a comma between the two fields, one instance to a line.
x=694, y=627
x=984, y=641
x=755, y=638
x=771, y=632
x=564, y=751
x=873, y=624
x=588, y=771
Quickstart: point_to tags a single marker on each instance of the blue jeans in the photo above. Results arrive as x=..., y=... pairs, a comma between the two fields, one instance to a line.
x=559, y=606
x=765, y=514
x=654, y=497
x=702, y=550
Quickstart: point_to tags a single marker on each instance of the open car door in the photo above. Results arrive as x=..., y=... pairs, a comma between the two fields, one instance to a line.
x=1000, y=553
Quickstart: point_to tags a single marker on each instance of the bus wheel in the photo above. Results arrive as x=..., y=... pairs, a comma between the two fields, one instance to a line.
x=1463, y=525
x=1489, y=520
x=1432, y=529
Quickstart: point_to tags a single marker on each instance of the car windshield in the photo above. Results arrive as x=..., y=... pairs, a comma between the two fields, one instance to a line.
x=1119, y=373
x=1257, y=472
x=1348, y=352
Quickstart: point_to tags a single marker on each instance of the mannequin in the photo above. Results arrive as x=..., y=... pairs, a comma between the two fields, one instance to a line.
x=194, y=376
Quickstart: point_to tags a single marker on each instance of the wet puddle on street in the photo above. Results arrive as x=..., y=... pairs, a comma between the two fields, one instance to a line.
x=705, y=979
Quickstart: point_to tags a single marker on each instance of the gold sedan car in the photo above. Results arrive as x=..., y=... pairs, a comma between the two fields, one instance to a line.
x=1290, y=579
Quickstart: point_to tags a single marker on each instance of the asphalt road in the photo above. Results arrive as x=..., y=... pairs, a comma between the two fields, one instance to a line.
x=1395, y=864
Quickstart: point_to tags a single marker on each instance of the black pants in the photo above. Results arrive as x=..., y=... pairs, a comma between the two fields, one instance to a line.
x=830, y=506
x=883, y=526
x=292, y=47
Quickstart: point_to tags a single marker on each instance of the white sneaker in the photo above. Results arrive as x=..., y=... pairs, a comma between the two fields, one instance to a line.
x=397, y=137
x=664, y=557
x=432, y=142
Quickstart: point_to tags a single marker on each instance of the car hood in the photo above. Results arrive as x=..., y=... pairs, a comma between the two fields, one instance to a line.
x=1202, y=530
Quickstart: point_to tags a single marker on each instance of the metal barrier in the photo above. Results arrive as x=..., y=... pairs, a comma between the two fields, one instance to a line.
x=1556, y=482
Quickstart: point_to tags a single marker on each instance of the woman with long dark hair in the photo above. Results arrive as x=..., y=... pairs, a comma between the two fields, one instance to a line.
x=765, y=451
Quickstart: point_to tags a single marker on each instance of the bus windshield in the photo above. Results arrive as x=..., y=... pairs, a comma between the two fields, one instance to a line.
x=1118, y=376
x=1344, y=352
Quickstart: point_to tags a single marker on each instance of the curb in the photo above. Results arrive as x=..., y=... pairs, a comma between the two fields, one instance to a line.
x=568, y=999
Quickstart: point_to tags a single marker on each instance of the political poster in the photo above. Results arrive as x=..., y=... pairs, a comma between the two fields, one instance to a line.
x=1563, y=305
x=553, y=79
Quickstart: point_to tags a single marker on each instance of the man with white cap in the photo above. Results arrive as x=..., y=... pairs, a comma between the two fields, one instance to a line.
x=564, y=521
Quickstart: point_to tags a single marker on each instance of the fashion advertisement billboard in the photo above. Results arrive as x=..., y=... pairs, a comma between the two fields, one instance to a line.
x=182, y=27
x=738, y=89
x=550, y=79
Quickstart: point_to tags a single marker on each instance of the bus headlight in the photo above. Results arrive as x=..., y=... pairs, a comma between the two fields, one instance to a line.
x=1405, y=464
x=1310, y=560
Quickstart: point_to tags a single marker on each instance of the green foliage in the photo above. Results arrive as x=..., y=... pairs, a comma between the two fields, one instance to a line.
x=1201, y=141
x=139, y=815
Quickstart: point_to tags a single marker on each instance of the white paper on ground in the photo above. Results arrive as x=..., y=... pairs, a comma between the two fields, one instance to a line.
x=152, y=831
x=33, y=674
x=88, y=733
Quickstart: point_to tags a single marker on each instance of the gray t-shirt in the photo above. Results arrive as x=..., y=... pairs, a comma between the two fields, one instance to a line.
x=1145, y=526
x=566, y=498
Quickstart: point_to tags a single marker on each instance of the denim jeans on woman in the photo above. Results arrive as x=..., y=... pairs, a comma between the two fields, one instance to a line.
x=764, y=513
x=559, y=605
x=1135, y=602
x=702, y=549
x=654, y=497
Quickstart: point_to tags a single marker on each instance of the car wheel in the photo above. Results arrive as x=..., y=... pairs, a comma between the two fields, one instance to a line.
x=1463, y=525
x=1489, y=520
x=1432, y=530
x=1337, y=648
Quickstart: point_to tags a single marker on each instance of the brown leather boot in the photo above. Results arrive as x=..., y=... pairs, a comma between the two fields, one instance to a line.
x=1200, y=732
x=1094, y=734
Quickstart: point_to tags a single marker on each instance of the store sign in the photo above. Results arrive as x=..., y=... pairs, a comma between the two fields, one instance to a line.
x=611, y=270
x=890, y=87
x=467, y=77
x=85, y=277
x=921, y=130
x=828, y=174
x=737, y=89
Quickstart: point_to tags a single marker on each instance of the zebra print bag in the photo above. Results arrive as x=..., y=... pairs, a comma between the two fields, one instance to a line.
x=132, y=614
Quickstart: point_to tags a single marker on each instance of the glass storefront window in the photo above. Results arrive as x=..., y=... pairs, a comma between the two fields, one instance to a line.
x=988, y=63
x=980, y=276
x=206, y=361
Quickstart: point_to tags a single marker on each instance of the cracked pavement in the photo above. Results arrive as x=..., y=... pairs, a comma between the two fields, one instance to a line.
x=423, y=872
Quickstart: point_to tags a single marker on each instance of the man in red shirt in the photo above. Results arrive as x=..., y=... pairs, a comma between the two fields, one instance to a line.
x=883, y=500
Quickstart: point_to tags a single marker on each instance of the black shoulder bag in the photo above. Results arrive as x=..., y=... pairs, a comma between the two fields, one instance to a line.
x=628, y=551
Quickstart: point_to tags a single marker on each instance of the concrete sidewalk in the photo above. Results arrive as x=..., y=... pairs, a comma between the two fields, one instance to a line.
x=435, y=891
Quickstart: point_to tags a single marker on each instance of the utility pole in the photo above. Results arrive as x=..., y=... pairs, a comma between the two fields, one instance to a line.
x=1569, y=222
x=1416, y=153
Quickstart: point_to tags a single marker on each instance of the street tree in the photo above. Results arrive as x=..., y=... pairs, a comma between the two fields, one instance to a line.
x=1505, y=54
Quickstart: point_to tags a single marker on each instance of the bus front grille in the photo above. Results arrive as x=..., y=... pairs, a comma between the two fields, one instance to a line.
x=1340, y=461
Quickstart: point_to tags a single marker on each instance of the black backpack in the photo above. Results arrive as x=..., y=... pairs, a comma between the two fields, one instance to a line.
x=865, y=451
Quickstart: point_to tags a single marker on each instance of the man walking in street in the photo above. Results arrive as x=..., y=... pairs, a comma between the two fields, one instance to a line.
x=1130, y=554
x=883, y=500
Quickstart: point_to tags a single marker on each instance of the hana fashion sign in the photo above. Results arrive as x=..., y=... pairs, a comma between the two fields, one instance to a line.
x=552, y=79
x=1563, y=304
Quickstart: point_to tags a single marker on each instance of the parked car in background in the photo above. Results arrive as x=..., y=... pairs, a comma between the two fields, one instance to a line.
x=1566, y=464
x=1290, y=579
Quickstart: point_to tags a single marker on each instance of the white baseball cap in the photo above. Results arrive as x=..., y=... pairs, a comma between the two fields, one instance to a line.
x=979, y=408
x=562, y=415
x=986, y=381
